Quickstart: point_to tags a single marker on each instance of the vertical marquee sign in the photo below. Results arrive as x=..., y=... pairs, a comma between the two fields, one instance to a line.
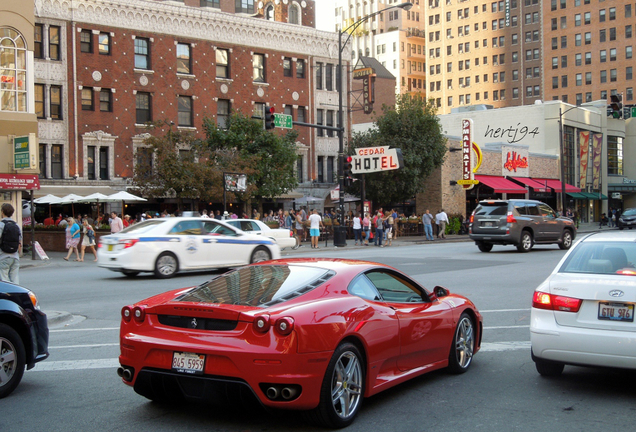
x=468, y=177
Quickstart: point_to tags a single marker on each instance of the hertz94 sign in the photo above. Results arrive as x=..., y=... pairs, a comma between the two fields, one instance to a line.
x=375, y=159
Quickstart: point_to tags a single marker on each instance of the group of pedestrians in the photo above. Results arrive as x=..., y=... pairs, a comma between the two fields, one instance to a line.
x=441, y=220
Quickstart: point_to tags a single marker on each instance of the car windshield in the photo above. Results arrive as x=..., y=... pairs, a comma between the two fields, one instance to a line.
x=142, y=227
x=630, y=212
x=259, y=286
x=492, y=209
x=602, y=258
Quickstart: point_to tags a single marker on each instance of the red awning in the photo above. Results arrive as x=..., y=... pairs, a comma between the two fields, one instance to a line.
x=538, y=187
x=19, y=181
x=500, y=184
x=556, y=185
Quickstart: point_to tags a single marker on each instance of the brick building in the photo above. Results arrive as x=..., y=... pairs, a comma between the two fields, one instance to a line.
x=104, y=69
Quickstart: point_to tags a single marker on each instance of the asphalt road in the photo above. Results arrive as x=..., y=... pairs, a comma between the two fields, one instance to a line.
x=77, y=389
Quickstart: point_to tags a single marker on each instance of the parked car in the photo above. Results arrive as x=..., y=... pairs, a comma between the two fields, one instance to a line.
x=627, y=219
x=583, y=313
x=24, y=335
x=166, y=246
x=283, y=236
x=522, y=223
x=303, y=334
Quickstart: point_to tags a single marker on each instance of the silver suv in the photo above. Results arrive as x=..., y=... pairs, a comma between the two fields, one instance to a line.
x=521, y=223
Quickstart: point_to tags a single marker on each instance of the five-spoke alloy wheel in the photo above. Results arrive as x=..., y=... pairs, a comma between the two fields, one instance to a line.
x=461, y=354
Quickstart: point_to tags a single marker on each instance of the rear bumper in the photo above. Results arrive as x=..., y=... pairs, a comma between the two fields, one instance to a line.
x=494, y=238
x=580, y=346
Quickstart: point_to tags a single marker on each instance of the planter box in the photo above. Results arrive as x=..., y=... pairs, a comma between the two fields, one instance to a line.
x=53, y=240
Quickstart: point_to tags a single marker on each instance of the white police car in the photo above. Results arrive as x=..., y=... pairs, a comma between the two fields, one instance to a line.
x=167, y=246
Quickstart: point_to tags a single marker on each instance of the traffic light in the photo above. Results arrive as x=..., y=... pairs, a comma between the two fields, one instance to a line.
x=346, y=170
x=269, y=117
x=616, y=105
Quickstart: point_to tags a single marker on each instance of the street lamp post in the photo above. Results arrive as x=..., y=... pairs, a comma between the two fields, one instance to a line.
x=340, y=232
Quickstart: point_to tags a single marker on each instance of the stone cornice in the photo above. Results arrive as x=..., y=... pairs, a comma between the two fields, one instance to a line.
x=195, y=23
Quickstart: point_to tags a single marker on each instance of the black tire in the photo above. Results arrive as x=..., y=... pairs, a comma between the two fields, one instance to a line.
x=484, y=247
x=566, y=240
x=548, y=368
x=463, y=346
x=260, y=254
x=130, y=273
x=526, y=242
x=12, y=359
x=329, y=413
x=166, y=265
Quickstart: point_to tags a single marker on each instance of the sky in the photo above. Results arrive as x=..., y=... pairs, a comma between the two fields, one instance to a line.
x=325, y=15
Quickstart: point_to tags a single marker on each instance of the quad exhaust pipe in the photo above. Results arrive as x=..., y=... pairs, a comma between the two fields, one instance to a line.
x=272, y=393
x=289, y=393
x=125, y=373
x=277, y=392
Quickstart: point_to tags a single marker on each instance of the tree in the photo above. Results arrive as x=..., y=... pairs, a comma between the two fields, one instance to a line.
x=412, y=125
x=271, y=157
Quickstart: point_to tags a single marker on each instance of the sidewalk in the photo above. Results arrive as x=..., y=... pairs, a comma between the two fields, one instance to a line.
x=57, y=257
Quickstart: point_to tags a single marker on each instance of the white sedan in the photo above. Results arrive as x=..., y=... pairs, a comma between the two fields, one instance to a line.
x=283, y=236
x=167, y=246
x=583, y=313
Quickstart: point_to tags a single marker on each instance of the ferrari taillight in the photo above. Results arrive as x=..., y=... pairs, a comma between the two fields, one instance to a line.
x=511, y=218
x=542, y=300
x=138, y=314
x=284, y=326
x=261, y=324
x=126, y=313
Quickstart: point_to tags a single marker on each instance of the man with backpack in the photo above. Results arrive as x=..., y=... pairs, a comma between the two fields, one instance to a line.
x=10, y=245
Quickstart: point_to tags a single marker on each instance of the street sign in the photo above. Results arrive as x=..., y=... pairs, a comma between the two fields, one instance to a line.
x=283, y=121
x=375, y=159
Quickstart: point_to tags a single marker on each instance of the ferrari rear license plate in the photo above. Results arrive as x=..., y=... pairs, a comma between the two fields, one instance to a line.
x=189, y=363
x=110, y=248
x=616, y=312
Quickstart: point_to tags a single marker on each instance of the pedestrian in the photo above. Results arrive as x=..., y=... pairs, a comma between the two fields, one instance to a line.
x=72, y=239
x=427, y=219
x=89, y=239
x=315, y=223
x=116, y=224
x=126, y=221
x=366, y=228
x=300, y=229
x=613, y=217
x=388, y=228
x=10, y=245
x=357, y=229
x=217, y=215
x=204, y=214
x=379, y=229
x=441, y=219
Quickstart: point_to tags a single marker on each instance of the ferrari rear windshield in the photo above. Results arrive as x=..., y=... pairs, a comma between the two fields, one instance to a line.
x=258, y=286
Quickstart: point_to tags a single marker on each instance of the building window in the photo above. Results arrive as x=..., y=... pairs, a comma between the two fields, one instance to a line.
x=613, y=75
x=103, y=163
x=628, y=52
x=244, y=6
x=319, y=76
x=330, y=122
x=13, y=71
x=329, y=77
x=301, y=114
x=222, y=63
x=90, y=162
x=184, y=62
x=86, y=41
x=144, y=162
x=143, y=106
x=87, y=99
x=142, y=53
x=321, y=169
x=300, y=68
x=222, y=113
x=43, y=160
x=38, y=49
x=258, y=65
x=39, y=100
x=588, y=78
x=185, y=111
x=320, y=121
x=210, y=3
x=628, y=73
x=614, y=155
x=603, y=76
x=287, y=67
x=269, y=12
x=294, y=14
x=104, y=43
x=57, y=157
x=588, y=58
x=105, y=100
x=299, y=169
x=630, y=93
x=330, y=164
x=54, y=42
x=55, y=103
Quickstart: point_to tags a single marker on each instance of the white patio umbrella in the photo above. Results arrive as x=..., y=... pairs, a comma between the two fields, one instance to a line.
x=97, y=197
x=71, y=199
x=308, y=199
x=124, y=196
x=48, y=199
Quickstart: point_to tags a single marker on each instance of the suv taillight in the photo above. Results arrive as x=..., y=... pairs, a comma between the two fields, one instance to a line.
x=511, y=218
x=542, y=300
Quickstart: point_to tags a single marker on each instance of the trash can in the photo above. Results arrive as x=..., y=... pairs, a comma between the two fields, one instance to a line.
x=339, y=236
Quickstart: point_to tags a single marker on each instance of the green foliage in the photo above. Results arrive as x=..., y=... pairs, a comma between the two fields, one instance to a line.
x=412, y=125
x=454, y=225
x=272, y=157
